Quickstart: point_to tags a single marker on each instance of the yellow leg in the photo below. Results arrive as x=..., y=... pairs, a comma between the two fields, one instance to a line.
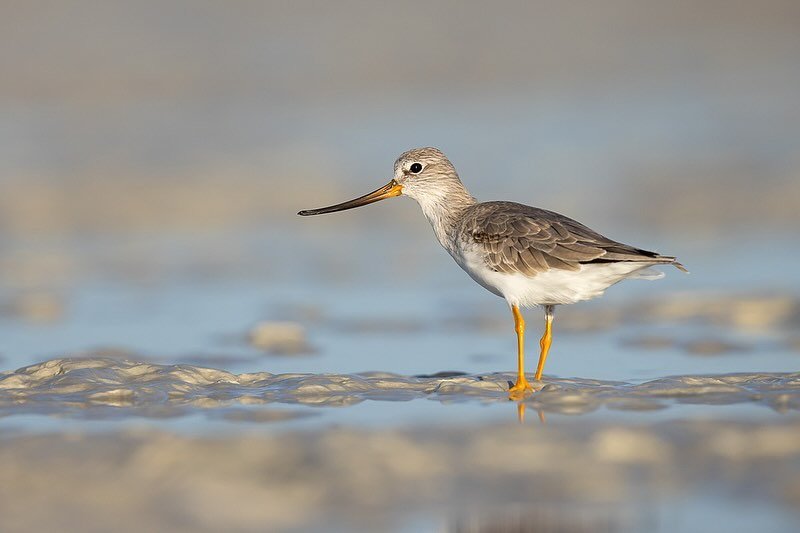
x=521, y=385
x=546, y=341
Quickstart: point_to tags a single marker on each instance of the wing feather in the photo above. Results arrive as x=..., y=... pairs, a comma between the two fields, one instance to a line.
x=516, y=238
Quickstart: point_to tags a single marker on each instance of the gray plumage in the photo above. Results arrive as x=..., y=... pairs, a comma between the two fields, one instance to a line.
x=517, y=238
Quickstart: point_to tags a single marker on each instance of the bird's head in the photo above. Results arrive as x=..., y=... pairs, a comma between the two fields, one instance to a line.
x=421, y=174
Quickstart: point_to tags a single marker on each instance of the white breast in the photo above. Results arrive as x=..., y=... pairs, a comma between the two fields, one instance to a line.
x=554, y=286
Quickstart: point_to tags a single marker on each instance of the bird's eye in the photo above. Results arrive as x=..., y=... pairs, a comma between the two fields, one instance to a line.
x=415, y=168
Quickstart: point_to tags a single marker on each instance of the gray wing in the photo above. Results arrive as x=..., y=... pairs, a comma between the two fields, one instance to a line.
x=519, y=238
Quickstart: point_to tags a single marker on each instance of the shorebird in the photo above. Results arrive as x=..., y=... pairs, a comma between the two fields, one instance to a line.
x=526, y=255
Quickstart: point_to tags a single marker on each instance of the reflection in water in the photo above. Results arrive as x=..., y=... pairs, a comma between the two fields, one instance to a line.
x=521, y=406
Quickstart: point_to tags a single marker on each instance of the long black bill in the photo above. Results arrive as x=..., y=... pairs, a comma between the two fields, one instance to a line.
x=389, y=190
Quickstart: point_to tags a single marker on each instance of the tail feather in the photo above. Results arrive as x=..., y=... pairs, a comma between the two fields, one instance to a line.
x=669, y=260
x=651, y=257
x=680, y=266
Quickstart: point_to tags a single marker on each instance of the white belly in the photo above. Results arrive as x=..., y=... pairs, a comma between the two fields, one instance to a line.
x=554, y=286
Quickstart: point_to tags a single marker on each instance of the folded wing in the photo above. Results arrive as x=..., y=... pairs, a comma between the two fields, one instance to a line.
x=517, y=238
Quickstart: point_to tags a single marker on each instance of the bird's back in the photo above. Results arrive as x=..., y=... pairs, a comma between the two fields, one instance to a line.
x=533, y=256
x=520, y=238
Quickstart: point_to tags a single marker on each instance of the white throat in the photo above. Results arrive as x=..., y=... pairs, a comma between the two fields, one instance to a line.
x=443, y=209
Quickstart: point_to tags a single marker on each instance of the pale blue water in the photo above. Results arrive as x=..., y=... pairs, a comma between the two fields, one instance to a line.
x=374, y=314
x=401, y=316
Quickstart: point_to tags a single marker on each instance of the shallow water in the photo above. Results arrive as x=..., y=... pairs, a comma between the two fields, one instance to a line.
x=359, y=396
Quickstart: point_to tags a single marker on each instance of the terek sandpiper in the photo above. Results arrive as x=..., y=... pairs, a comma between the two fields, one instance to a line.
x=527, y=255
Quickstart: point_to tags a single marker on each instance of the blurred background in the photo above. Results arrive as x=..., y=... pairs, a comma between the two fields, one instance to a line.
x=153, y=156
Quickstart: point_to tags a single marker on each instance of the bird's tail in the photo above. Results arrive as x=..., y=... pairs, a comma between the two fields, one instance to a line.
x=668, y=260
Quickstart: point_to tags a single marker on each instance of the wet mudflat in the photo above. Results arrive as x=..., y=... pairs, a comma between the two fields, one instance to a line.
x=62, y=386
x=243, y=466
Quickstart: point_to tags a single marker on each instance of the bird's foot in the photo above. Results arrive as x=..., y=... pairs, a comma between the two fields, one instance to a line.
x=520, y=389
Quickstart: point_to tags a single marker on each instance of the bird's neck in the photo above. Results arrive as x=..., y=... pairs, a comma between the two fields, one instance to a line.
x=444, y=209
